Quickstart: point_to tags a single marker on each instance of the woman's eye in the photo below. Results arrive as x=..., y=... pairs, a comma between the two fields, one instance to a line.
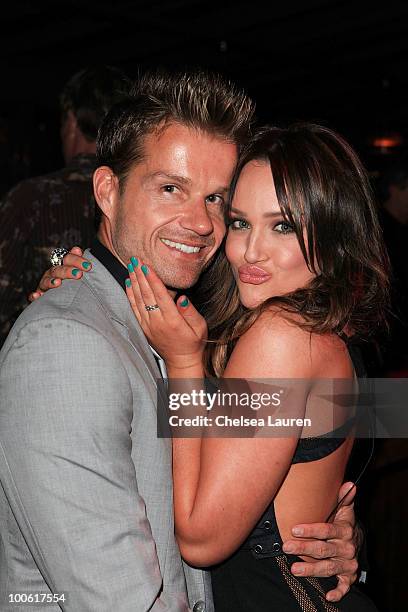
x=283, y=227
x=238, y=224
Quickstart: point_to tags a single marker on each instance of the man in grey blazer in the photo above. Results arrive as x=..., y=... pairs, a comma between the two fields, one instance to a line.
x=86, y=517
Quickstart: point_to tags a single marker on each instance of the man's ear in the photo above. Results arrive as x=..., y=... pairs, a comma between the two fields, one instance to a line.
x=106, y=190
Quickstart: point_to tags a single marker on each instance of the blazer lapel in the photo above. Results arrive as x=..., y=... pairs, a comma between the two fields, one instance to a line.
x=114, y=301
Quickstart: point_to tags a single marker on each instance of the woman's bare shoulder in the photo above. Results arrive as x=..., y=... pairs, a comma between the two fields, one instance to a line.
x=277, y=345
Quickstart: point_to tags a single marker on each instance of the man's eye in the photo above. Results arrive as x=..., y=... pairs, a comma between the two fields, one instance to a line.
x=283, y=227
x=169, y=188
x=215, y=199
x=238, y=224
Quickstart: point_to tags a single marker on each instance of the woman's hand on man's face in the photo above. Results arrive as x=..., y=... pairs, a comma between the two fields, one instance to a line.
x=74, y=265
x=175, y=329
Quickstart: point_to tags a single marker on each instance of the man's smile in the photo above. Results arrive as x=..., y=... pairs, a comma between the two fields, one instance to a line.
x=182, y=246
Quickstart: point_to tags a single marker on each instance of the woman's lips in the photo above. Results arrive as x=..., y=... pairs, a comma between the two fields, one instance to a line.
x=253, y=275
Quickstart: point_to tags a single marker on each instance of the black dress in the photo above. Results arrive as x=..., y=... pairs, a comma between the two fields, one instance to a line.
x=257, y=577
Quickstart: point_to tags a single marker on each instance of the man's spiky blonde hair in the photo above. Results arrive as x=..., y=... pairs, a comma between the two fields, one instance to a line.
x=201, y=100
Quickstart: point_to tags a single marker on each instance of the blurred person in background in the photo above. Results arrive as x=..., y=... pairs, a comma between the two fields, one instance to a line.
x=59, y=208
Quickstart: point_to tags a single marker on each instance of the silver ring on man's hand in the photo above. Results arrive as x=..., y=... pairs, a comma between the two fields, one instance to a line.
x=57, y=256
x=152, y=307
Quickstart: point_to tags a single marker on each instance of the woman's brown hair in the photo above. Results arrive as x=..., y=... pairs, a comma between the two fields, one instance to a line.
x=324, y=192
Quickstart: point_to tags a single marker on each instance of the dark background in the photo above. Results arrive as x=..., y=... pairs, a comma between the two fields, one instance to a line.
x=340, y=63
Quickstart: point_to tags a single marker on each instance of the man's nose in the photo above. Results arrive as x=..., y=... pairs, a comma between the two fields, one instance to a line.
x=197, y=218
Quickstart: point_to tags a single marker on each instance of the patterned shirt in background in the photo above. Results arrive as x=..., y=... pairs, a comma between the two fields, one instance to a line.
x=36, y=216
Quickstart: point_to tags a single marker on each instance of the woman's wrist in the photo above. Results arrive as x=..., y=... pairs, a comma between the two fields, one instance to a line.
x=186, y=366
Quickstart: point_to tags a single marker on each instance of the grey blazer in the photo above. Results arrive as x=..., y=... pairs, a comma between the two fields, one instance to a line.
x=86, y=490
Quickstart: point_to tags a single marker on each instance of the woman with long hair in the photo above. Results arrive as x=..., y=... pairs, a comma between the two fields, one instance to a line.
x=305, y=277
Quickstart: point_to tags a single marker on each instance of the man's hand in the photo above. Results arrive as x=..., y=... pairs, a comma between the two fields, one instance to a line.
x=334, y=544
x=73, y=267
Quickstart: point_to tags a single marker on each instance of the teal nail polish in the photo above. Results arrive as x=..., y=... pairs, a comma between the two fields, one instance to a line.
x=128, y=282
x=86, y=265
x=130, y=267
x=184, y=303
x=145, y=270
x=75, y=272
x=53, y=281
x=134, y=262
